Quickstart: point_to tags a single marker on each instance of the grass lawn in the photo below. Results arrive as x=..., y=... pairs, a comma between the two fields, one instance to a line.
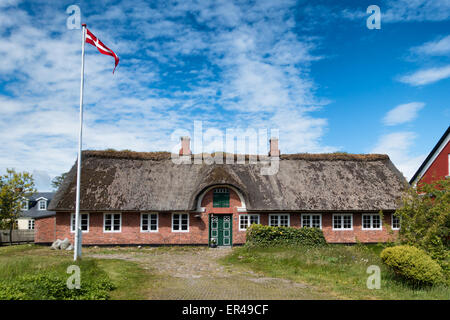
x=128, y=279
x=337, y=269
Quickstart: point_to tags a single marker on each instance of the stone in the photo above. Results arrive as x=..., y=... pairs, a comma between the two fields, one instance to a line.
x=64, y=244
x=56, y=244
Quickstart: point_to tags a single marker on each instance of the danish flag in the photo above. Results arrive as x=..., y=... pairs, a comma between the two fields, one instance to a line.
x=90, y=38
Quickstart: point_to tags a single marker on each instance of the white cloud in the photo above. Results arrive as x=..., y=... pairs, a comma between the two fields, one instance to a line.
x=415, y=10
x=253, y=74
x=439, y=47
x=398, y=147
x=403, y=113
x=393, y=11
x=426, y=76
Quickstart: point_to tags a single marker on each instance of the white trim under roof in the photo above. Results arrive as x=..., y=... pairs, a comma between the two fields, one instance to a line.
x=431, y=160
x=41, y=198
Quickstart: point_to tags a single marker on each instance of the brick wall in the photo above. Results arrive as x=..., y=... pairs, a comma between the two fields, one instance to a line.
x=45, y=230
x=198, y=227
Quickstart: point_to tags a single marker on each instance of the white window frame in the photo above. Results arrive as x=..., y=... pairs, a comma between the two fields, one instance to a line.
x=31, y=221
x=247, y=215
x=39, y=204
x=278, y=215
x=311, y=214
x=392, y=222
x=72, y=225
x=157, y=221
x=171, y=221
x=342, y=221
x=371, y=215
x=112, y=222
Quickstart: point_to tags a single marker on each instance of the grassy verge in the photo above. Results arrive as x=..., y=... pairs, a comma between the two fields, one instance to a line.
x=337, y=269
x=34, y=272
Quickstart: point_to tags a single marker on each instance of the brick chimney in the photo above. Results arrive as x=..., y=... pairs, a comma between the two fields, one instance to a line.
x=274, y=151
x=185, y=146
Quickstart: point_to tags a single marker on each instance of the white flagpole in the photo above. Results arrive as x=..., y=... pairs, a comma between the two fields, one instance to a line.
x=77, y=246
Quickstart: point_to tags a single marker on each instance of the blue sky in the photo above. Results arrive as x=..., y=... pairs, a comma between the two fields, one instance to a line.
x=311, y=69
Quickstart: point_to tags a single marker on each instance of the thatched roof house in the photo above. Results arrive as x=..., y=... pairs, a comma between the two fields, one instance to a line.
x=128, y=181
x=125, y=194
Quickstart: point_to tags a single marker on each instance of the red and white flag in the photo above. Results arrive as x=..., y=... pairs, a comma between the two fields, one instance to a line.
x=90, y=38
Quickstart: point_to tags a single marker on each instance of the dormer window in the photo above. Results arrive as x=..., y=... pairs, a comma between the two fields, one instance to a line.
x=25, y=204
x=42, y=204
x=221, y=198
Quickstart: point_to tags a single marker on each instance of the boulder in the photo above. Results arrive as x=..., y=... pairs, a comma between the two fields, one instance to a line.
x=56, y=244
x=64, y=244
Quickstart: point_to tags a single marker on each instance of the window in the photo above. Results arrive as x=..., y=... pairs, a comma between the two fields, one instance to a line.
x=395, y=222
x=312, y=220
x=342, y=222
x=221, y=198
x=42, y=204
x=149, y=222
x=84, y=222
x=112, y=222
x=25, y=204
x=180, y=222
x=31, y=224
x=279, y=220
x=371, y=222
x=245, y=220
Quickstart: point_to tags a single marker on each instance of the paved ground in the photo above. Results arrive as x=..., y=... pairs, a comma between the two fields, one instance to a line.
x=196, y=273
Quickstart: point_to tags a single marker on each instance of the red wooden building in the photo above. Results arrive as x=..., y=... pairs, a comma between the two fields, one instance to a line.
x=437, y=164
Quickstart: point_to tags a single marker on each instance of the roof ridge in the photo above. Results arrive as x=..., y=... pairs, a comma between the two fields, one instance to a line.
x=164, y=155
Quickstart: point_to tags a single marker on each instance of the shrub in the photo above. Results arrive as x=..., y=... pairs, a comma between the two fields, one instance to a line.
x=412, y=264
x=51, y=287
x=266, y=235
x=425, y=220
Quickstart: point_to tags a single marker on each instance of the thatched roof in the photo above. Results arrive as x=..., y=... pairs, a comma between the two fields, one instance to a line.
x=128, y=181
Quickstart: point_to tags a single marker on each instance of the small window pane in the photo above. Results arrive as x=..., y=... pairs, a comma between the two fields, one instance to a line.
x=243, y=221
x=337, y=222
x=316, y=221
x=376, y=222
x=366, y=222
x=306, y=221
x=145, y=222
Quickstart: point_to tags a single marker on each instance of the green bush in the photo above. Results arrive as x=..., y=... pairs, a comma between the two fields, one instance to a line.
x=413, y=264
x=425, y=220
x=260, y=235
x=51, y=287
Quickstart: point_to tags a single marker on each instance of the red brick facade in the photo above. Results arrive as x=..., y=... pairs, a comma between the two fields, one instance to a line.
x=45, y=229
x=49, y=229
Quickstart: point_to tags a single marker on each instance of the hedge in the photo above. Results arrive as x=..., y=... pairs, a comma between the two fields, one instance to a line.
x=260, y=235
x=413, y=264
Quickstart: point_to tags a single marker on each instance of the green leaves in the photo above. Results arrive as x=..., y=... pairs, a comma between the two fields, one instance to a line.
x=413, y=264
x=425, y=220
x=266, y=236
x=13, y=188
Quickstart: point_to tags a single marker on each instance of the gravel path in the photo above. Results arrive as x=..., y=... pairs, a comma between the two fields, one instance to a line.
x=195, y=273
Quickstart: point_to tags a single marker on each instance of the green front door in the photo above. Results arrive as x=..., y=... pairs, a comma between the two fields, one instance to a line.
x=220, y=229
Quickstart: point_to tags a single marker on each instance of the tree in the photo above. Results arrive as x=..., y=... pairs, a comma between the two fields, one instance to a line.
x=13, y=188
x=58, y=180
x=425, y=219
